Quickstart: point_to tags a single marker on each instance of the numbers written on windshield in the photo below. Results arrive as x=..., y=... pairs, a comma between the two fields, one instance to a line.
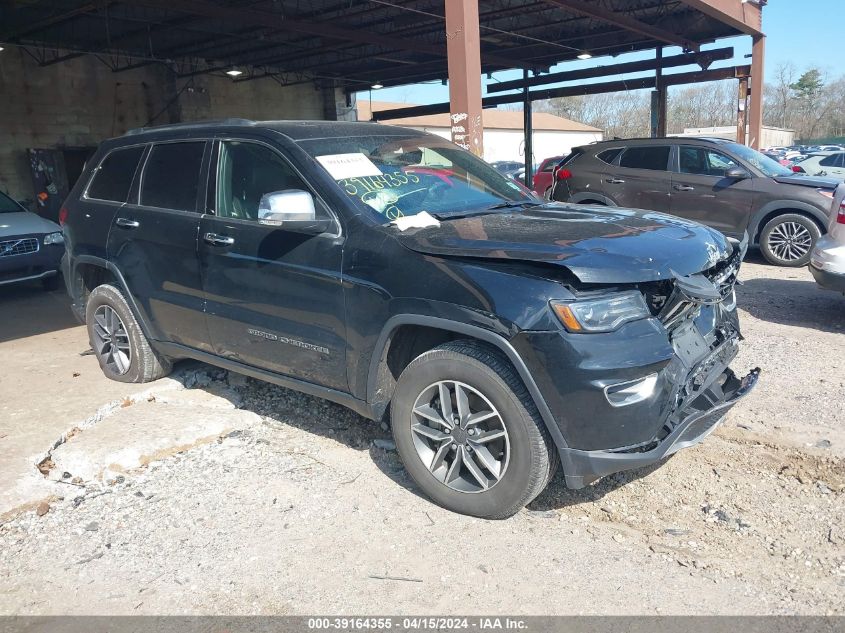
x=380, y=192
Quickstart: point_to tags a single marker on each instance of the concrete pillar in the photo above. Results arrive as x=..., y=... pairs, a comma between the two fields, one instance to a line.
x=463, y=48
x=755, y=107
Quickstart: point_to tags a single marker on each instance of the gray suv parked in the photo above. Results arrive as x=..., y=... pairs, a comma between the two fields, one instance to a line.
x=723, y=184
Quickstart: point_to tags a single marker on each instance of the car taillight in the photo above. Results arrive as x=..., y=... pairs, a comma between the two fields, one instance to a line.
x=840, y=217
x=63, y=215
x=797, y=169
x=562, y=173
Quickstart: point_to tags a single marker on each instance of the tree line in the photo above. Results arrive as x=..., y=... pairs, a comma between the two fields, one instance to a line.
x=809, y=102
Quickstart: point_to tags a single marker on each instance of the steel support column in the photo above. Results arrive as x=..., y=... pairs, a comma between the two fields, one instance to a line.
x=742, y=111
x=658, y=99
x=528, y=129
x=755, y=107
x=463, y=48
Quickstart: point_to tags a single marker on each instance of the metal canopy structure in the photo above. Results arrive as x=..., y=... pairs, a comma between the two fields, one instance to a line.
x=358, y=43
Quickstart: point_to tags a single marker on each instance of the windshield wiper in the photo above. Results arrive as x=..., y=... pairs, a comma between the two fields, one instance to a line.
x=514, y=204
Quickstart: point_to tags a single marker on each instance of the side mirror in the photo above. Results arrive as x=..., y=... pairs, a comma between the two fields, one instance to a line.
x=736, y=173
x=291, y=210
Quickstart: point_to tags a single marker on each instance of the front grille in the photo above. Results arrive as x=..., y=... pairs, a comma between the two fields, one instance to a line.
x=24, y=246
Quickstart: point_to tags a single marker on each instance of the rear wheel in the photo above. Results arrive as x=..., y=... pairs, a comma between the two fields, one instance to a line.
x=787, y=240
x=121, y=348
x=469, y=433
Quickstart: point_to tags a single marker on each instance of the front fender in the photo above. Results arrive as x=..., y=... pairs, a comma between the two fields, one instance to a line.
x=470, y=331
x=784, y=206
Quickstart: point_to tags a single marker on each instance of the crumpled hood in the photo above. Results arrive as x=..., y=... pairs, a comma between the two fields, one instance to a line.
x=597, y=244
x=25, y=223
x=819, y=182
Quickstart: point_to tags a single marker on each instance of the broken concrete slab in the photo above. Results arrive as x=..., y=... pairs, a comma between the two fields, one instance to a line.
x=133, y=436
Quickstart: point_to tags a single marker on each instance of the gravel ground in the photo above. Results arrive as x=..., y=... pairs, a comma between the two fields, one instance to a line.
x=308, y=510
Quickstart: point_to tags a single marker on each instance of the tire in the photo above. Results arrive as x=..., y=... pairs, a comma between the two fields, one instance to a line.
x=50, y=283
x=525, y=456
x=131, y=358
x=779, y=249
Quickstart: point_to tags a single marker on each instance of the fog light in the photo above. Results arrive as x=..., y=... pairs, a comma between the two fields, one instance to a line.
x=624, y=393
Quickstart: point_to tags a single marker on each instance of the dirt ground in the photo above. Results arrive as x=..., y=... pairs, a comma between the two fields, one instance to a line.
x=305, y=509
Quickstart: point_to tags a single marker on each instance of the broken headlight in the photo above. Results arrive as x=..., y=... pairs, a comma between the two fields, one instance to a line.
x=603, y=314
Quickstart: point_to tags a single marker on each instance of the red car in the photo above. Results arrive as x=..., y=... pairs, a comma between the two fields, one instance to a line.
x=543, y=178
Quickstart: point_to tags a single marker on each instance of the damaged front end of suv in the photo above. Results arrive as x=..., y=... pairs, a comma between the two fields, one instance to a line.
x=631, y=345
x=684, y=385
x=697, y=313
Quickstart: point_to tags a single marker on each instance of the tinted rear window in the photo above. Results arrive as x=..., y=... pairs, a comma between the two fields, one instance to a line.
x=114, y=175
x=656, y=158
x=172, y=175
x=609, y=155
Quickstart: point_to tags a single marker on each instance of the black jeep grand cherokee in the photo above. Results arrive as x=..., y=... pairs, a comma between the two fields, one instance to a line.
x=388, y=270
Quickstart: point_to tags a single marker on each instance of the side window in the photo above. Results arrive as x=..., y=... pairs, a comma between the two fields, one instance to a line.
x=829, y=161
x=609, y=155
x=113, y=177
x=703, y=161
x=246, y=172
x=648, y=157
x=172, y=175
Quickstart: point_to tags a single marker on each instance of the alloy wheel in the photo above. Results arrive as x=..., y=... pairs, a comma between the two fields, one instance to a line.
x=790, y=241
x=111, y=342
x=460, y=436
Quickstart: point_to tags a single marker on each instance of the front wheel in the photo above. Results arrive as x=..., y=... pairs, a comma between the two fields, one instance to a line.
x=468, y=432
x=788, y=240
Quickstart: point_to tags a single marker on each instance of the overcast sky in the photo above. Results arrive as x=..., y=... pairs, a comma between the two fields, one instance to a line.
x=806, y=33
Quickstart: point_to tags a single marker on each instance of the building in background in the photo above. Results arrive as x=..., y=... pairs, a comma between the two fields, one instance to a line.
x=771, y=136
x=503, y=134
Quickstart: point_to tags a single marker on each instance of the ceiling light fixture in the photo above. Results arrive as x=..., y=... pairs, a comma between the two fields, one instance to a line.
x=584, y=55
x=377, y=86
x=234, y=72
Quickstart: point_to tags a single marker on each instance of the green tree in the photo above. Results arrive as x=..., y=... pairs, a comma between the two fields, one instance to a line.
x=809, y=86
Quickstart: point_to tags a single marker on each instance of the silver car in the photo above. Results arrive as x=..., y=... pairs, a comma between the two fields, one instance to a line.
x=31, y=247
x=827, y=261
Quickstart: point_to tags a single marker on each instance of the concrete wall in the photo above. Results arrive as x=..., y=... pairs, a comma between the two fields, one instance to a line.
x=510, y=144
x=80, y=102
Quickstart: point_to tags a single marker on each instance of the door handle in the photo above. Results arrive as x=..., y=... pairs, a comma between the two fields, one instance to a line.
x=126, y=223
x=218, y=240
x=615, y=181
x=683, y=188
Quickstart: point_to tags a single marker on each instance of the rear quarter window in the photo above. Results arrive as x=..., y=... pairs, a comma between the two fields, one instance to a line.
x=654, y=158
x=609, y=155
x=113, y=178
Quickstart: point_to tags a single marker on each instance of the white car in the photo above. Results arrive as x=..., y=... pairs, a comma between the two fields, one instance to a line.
x=827, y=261
x=831, y=165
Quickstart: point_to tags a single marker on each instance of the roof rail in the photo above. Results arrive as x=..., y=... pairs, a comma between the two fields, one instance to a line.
x=188, y=125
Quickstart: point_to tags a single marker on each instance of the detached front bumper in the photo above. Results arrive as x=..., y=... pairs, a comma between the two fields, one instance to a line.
x=585, y=467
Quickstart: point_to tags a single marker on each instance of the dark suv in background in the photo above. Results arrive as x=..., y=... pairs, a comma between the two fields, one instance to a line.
x=717, y=182
x=392, y=272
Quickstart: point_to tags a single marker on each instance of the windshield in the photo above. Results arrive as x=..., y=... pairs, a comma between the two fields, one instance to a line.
x=396, y=176
x=7, y=205
x=769, y=167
